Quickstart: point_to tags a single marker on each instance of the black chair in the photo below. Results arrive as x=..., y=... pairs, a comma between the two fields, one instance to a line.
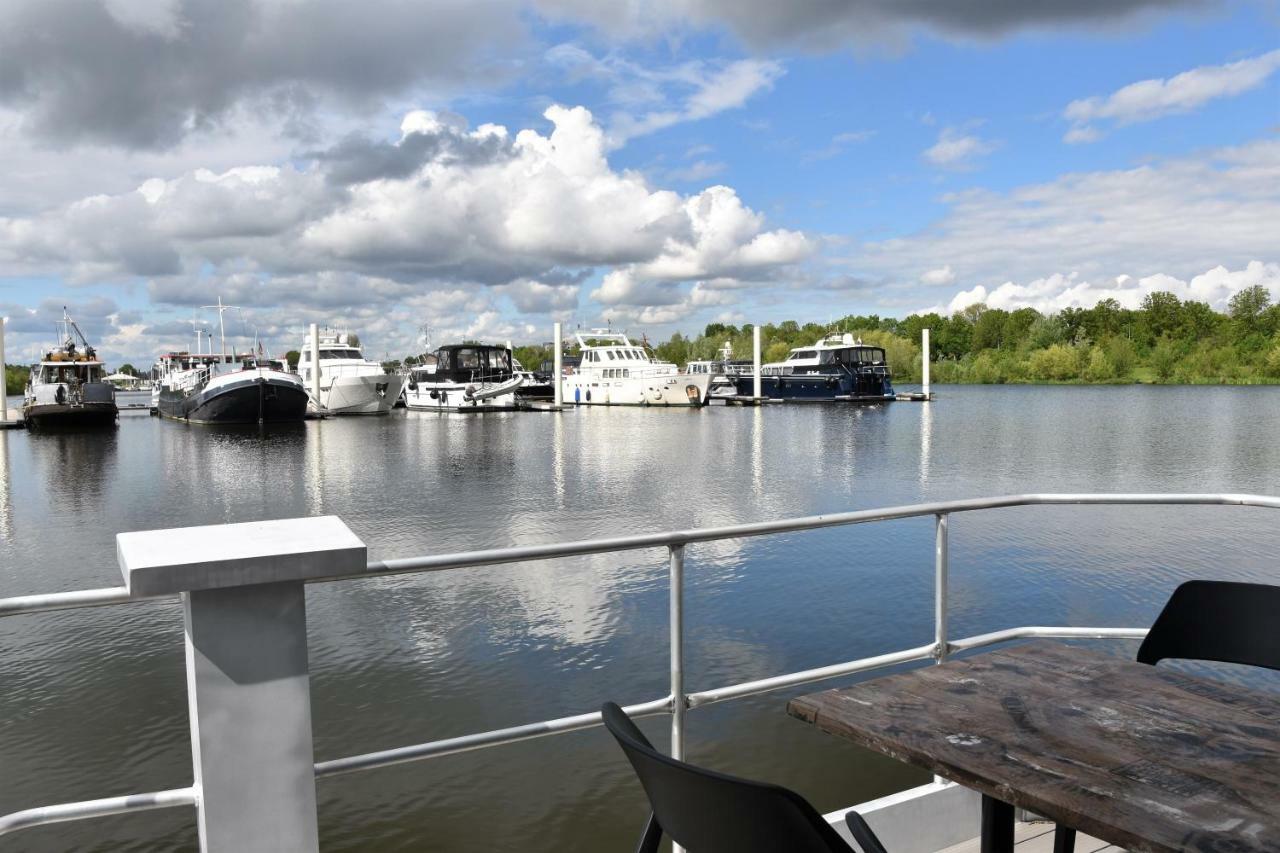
x=710, y=812
x=1219, y=621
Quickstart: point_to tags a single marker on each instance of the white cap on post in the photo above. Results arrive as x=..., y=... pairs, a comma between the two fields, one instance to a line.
x=185, y=559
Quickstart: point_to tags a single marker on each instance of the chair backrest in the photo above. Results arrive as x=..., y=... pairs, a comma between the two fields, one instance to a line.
x=1217, y=621
x=710, y=812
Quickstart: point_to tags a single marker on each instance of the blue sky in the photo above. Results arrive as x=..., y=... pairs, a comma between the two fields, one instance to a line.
x=344, y=167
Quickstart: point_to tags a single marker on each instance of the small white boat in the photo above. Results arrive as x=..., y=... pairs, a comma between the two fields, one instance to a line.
x=615, y=372
x=67, y=388
x=464, y=378
x=350, y=384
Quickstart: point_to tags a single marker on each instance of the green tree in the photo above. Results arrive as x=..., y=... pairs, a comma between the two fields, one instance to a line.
x=292, y=357
x=1123, y=356
x=989, y=329
x=776, y=351
x=1057, y=363
x=1248, y=306
x=1099, y=368
x=15, y=379
x=128, y=369
x=1164, y=359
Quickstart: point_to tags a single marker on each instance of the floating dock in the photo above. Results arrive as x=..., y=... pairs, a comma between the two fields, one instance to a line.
x=748, y=400
x=13, y=420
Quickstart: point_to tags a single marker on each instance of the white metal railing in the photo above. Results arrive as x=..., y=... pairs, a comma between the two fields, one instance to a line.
x=678, y=700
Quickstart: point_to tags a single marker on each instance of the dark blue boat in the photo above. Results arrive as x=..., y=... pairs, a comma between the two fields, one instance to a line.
x=835, y=369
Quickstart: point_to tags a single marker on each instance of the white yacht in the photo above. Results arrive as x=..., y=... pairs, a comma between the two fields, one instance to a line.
x=616, y=372
x=464, y=378
x=350, y=384
x=720, y=370
x=67, y=388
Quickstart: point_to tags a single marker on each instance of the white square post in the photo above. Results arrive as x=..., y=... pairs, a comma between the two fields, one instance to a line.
x=248, y=681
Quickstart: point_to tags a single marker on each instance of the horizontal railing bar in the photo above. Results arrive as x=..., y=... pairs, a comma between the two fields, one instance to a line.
x=777, y=682
x=981, y=640
x=96, y=808
x=499, y=556
x=71, y=600
x=482, y=740
x=498, y=737
x=519, y=554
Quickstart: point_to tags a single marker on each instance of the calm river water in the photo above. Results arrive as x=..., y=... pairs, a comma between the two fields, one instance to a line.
x=93, y=702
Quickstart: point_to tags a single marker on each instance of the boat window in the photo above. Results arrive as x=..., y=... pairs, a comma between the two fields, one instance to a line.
x=499, y=360
x=803, y=353
x=611, y=355
x=467, y=359
x=626, y=374
x=444, y=361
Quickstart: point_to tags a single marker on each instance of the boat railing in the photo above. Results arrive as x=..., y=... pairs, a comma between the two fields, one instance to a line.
x=260, y=617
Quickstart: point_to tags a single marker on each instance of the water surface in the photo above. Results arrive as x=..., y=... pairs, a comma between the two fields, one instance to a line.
x=94, y=701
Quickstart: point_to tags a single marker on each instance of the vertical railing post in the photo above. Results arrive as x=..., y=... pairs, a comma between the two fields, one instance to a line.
x=4, y=385
x=676, y=554
x=941, y=569
x=248, y=679
x=677, y=650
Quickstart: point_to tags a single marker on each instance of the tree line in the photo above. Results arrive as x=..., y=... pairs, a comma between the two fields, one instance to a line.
x=1164, y=340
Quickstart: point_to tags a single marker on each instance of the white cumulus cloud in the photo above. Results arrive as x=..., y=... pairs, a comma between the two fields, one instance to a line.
x=1151, y=99
x=957, y=149
x=1053, y=293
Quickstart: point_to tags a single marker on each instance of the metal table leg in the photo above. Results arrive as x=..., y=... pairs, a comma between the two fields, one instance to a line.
x=997, y=826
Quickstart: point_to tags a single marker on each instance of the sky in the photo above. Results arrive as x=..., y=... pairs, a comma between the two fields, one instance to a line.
x=485, y=168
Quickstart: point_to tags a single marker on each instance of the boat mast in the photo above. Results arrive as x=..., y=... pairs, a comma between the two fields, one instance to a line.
x=222, y=326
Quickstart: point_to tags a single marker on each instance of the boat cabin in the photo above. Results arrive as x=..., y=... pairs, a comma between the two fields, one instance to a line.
x=469, y=363
x=68, y=372
x=830, y=355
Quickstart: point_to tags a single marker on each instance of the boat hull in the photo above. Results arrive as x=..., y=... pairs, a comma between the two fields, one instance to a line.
x=816, y=388
x=252, y=400
x=54, y=416
x=455, y=397
x=686, y=390
x=363, y=395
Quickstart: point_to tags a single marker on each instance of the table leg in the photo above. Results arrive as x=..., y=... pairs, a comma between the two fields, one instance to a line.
x=997, y=826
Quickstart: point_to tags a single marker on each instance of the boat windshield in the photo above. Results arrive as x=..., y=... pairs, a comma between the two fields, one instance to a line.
x=326, y=354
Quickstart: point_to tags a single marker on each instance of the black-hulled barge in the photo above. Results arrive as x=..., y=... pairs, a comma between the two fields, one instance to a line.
x=211, y=388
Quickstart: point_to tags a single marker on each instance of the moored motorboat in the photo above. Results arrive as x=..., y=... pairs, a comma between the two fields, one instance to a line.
x=613, y=371
x=67, y=388
x=349, y=383
x=465, y=378
x=837, y=368
x=534, y=385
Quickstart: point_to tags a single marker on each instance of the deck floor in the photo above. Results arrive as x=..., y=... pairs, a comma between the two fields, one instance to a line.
x=1038, y=838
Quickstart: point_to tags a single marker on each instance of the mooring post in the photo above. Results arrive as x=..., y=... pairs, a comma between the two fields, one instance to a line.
x=4, y=385
x=924, y=361
x=315, y=365
x=755, y=360
x=248, y=682
x=558, y=372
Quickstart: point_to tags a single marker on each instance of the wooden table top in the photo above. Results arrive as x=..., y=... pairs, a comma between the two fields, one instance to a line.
x=1145, y=758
